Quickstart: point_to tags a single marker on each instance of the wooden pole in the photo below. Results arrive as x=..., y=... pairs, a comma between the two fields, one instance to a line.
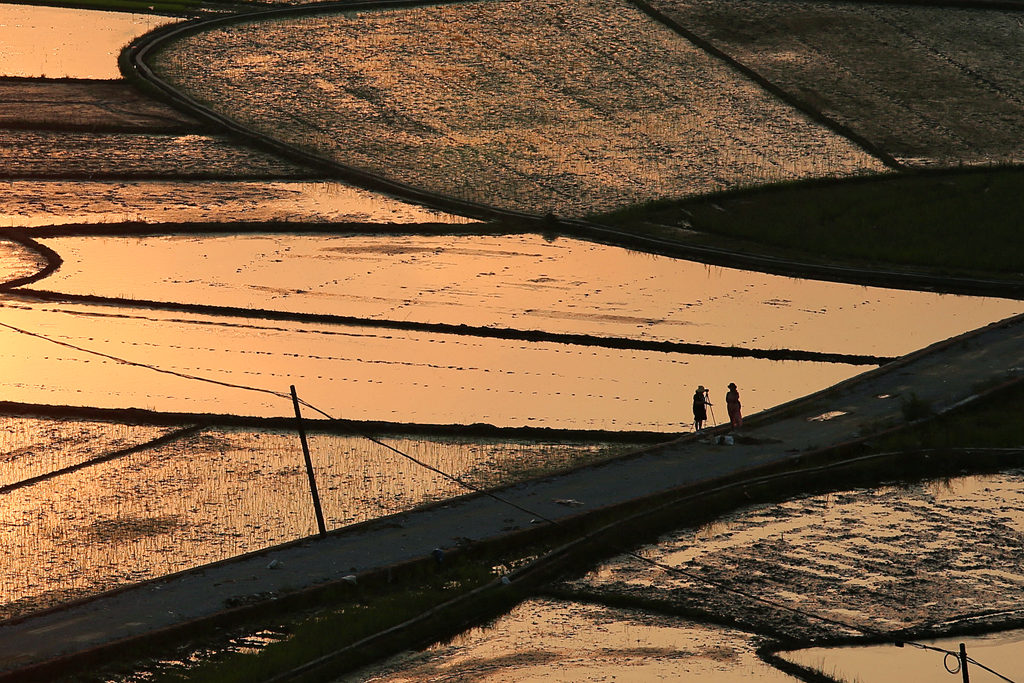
x=963, y=663
x=309, y=464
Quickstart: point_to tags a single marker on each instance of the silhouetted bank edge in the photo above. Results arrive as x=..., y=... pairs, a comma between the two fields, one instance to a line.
x=51, y=259
x=339, y=427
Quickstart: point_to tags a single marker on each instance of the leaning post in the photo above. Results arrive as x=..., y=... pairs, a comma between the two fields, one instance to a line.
x=309, y=465
x=963, y=663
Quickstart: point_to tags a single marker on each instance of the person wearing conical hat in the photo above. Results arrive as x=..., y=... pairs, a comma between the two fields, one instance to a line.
x=700, y=408
x=732, y=404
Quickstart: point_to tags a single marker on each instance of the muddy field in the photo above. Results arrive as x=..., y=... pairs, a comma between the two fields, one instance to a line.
x=930, y=85
x=918, y=556
x=73, y=154
x=525, y=105
x=209, y=496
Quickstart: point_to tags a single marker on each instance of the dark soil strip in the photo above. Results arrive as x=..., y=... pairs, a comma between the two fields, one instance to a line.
x=134, y=229
x=52, y=258
x=106, y=457
x=342, y=427
x=465, y=330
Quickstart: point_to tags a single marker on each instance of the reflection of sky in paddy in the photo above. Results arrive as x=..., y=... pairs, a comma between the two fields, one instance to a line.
x=358, y=373
x=54, y=42
x=29, y=203
x=1000, y=652
x=548, y=640
x=521, y=282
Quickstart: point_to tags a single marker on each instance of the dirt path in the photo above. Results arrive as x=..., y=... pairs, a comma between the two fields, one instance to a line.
x=943, y=375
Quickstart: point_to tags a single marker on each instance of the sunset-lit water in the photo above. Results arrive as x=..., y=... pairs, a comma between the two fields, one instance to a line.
x=520, y=282
x=1001, y=652
x=27, y=203
x=932, y=553
x=55, y=42
x=548, y=640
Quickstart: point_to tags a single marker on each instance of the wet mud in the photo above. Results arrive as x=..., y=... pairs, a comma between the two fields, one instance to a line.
x=87, y=156
x=916, y=558
x=524, y=105
x=902, y=77
x=108, y=106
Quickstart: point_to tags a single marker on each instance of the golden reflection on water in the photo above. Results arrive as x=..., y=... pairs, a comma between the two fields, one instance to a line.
x=548, y=640
x=883, y=559
x=1001, y=652
x=53, y=42
x=29, y=203
x=520, y=282
x=363, y=374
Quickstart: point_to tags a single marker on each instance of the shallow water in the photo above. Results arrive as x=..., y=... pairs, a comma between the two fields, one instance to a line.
x=548, y=640
x=364, y=374
x=54, y=42
x=25, y=203
x=521, y=282
x=18, y=261
x=1001, y=652
x=884, y=559
x=211, y=496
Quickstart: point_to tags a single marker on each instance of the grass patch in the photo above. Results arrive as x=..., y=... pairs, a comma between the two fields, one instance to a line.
x=349, y=614
x=996, y=422
x=952, y=222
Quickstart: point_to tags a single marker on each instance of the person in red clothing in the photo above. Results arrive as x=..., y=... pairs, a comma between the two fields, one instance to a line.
x=732, y=404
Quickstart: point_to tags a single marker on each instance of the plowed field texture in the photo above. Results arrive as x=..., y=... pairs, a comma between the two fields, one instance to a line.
x=539, y=106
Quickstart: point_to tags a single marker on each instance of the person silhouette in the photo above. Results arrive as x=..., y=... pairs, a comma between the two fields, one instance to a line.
x=700, y=408
x=732, y=404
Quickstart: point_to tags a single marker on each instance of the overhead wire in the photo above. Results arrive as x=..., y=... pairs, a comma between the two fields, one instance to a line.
x=669, y=568
x=505, y=501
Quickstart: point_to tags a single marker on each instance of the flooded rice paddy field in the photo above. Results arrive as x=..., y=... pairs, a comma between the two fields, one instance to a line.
x=516, y=281
x=18, y=260
x=49, y=356
x=925, y=555
x=32, y=203
x=210, y=496
x=999, y=652
x=550, y=640
x=60, y=154
x=931, y=85
x=529, y=105
x=54, y=42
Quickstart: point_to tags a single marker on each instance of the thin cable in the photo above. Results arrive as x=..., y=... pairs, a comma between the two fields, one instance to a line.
x=147, y=366
x=673, y=570
x=500, y=499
